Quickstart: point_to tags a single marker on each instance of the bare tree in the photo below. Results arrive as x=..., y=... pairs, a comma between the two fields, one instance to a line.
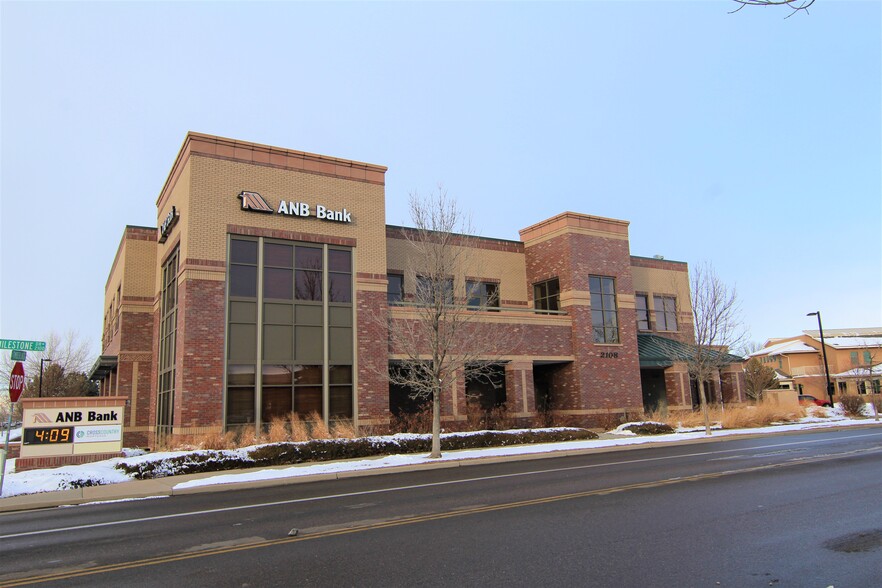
x=716, y=316
x=749, y=347
x=435, y=333
x=758, y=377
x=794, y=5
x=716, y=320
x=66, y=361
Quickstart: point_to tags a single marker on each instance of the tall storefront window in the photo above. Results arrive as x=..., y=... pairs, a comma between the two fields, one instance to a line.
x=604, y=316
x=289, y=331
x=165, y=402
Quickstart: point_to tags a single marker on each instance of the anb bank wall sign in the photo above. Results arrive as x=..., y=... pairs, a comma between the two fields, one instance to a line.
x=256, y=203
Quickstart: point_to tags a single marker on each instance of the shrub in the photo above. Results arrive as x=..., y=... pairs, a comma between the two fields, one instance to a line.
x=543, y=419
x=729, y=417
x=217, y=440
x=247, y=437
x=413, y=422
x=299, y=430
x=609, y=419
x=650, y=428
x=317, y=427
x=761, y=415
x=80, y=483
x=819, y=412
x=852, y=404
x=343, y=429
x=278, y=431
x=479, y=418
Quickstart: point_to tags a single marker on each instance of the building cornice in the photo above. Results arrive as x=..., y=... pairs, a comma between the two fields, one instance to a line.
x=258, y=154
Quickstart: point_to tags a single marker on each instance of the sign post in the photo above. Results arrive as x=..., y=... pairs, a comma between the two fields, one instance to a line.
x=16, y=385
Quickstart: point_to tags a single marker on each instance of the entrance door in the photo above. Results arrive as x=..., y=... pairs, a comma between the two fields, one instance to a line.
x=655, y=396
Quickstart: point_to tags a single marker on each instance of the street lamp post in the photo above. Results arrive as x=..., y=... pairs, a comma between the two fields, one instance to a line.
x=817, y=313
x=40, y=391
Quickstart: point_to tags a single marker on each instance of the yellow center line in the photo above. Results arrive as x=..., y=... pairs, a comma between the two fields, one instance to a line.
x=413, y=520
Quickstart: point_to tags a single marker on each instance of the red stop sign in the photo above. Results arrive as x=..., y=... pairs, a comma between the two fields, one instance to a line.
x=16, y=382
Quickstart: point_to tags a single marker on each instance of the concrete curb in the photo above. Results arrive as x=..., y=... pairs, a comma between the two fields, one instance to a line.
x=166, y=486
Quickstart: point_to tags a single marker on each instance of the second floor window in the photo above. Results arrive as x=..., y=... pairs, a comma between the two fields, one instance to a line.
x=665, y=313
x=482, y=294
x=604, y=315
x=546, y=295
x=395, y=290
x=430, y=290
x=641, y=302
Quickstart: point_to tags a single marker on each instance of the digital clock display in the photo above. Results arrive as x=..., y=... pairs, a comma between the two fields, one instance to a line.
x=48, y=435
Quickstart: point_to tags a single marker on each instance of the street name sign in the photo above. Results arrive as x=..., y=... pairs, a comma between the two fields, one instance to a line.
x=19, y=355
x=19, y=345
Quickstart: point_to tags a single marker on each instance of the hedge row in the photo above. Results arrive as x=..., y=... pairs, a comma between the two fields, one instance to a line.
x=318, y=450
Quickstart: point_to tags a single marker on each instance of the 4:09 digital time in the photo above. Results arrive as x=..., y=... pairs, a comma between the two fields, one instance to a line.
x=48, y=435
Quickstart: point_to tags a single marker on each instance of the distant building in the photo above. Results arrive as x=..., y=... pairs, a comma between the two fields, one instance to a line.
x=249, y=301
x=854, y=357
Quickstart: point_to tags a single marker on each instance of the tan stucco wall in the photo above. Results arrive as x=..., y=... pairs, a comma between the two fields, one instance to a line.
x=507, y=267
x=654, y=281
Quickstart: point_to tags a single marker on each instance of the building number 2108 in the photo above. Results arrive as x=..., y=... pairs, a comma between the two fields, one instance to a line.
x=609, y=355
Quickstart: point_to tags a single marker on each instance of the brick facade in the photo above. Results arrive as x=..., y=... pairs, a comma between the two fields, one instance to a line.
x=554, y=357
x=200, y=356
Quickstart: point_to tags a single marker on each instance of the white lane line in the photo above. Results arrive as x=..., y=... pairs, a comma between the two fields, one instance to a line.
x=412, y=487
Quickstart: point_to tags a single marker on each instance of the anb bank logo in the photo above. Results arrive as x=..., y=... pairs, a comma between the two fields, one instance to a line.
x=254, y=201
x=40, y=418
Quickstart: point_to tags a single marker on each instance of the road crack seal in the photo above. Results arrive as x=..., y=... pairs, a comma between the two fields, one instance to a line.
x=861, y=542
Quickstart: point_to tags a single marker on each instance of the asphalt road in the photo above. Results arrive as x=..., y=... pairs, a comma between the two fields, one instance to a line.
x=794, y=510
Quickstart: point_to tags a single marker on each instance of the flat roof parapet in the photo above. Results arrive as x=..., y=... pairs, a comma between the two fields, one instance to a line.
x=258, y=154
x=567, y=221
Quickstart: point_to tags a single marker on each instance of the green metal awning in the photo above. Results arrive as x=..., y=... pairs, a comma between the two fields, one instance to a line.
x=661, y=352
x=103, y=366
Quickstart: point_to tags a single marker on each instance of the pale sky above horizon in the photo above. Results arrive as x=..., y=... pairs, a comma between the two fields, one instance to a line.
x=747, y=140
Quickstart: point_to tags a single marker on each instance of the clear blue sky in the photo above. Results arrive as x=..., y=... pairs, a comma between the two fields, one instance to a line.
x=744, y=139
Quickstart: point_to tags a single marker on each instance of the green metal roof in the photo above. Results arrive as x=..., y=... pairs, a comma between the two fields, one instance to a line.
x=103, y=366
x=661, y=352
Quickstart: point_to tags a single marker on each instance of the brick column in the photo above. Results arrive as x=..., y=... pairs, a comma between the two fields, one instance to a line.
x=372, y=348
x=200, y=357
x=677, y=387
x=520, y=397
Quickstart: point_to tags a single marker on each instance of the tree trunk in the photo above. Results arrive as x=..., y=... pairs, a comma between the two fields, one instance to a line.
x=704, y=410
x=436, y=424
